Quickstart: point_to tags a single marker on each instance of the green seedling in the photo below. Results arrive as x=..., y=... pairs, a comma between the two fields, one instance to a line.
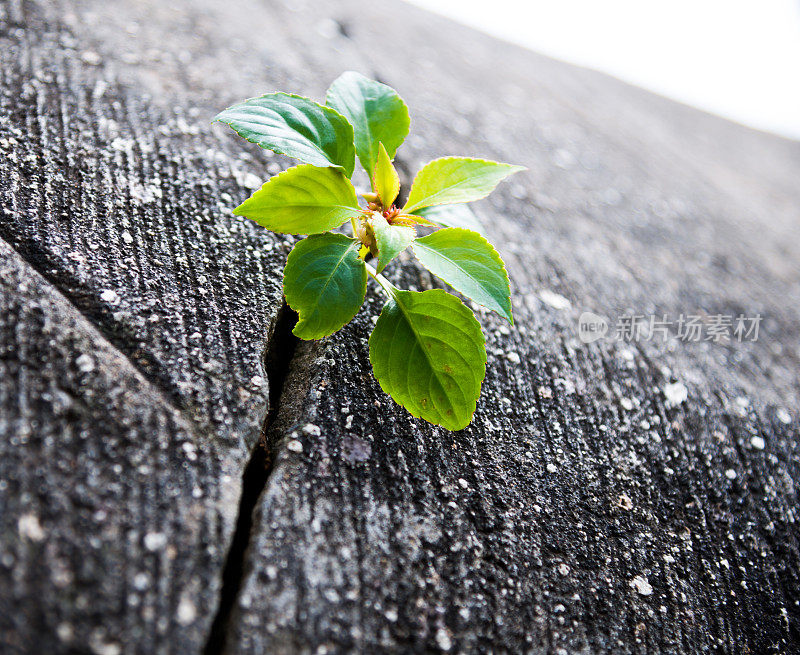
x=427, y=349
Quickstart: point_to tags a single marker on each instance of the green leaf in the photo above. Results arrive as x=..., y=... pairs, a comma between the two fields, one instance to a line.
x=295, y=126
x=428, y=353
x=302, y=200
x=469, y=264
x=451, y=216
x=391, y=239
x=451, y=180
x=375, y=110
x=386, y=181
x=324, y=282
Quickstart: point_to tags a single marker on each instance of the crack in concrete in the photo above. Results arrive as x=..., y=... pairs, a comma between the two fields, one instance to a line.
x=278, y=357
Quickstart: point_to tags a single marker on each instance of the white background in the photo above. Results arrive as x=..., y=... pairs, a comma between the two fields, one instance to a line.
x=739, y=59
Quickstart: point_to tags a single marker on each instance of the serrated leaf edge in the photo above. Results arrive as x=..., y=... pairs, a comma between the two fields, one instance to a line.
x=515, y=167
x=510, y=317
x=483, y=362
x=325, y=107
x=235, y=211
x=399, y=97
x=355, y=242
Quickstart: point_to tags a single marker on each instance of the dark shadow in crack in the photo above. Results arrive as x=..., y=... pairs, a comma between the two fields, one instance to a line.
x=277, y=361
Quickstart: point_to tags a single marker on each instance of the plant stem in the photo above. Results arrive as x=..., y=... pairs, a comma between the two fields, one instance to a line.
x=387, y=286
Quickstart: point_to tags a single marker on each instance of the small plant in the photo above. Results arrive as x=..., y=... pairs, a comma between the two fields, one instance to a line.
x=427, y=349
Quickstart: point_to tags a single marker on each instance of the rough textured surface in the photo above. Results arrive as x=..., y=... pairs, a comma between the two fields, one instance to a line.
x=587, y=509
x=116, y=508
x=578, y=512
x=121, y=203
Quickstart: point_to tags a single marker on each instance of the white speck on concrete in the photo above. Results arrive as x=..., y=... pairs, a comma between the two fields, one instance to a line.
x=328, y=28
x=675, y=393
x=29, y=527
x=627, y=404
x=568, y=385
x=123, y=145
x=145, y=194
x=141, y=581
x=443, y=639
x=65, y=632
x=126, y=237
x=758, y=443
x=109, y=296
x=252, y=181
x=85, y=363
x=783, y=416
x=311, y=429
x=294, y=446
x=91, y=58
x=551, y=468
x=190, y=450
x=563, y=569
x=154, y=541
x=513, y=357
x=463, y=483
x=641, y=585
x=100, y=646
x=730, y=474
x=187, y=612
x=555, y=300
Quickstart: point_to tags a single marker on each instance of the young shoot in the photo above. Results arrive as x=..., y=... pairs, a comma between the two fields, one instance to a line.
x=427, y=349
